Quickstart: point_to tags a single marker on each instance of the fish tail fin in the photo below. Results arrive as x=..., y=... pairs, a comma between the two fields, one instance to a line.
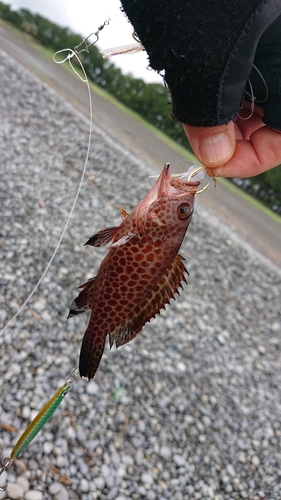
x=91, y=353
x=83, y=301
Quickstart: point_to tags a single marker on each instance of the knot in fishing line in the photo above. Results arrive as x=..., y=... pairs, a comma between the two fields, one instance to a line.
x=70, y=54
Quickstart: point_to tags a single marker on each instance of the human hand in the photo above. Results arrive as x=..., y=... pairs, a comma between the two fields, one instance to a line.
x=241, y=149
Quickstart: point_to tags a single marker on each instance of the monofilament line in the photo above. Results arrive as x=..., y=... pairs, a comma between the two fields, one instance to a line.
x=70, y=54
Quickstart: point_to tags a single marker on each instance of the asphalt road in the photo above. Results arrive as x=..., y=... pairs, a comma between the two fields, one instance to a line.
x=254, y=226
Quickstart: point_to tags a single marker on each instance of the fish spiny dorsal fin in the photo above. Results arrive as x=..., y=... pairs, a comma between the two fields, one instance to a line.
x=83, y=301
x=102, y=237
x=161, y=295
x=124, y=214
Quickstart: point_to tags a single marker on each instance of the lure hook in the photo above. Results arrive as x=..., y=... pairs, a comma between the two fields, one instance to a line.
x=7, y=462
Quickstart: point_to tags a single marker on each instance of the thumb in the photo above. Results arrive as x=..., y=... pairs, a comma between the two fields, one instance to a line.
x=213, y=146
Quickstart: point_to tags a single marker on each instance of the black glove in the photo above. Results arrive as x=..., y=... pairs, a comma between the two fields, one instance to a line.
x=207, y=50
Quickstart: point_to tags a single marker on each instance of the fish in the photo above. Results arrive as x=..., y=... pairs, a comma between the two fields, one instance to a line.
x=142, y=270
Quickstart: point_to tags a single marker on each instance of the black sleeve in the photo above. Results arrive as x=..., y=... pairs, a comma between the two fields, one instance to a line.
x=208, y=49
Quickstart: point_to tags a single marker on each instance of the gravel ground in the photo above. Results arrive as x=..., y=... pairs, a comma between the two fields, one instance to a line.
x=188, y=410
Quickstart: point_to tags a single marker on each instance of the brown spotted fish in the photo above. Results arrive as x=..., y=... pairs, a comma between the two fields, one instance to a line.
x=140, y=273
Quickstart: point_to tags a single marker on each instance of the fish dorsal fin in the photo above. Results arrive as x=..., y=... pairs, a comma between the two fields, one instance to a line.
x=160, y=295
x=124, y=214
x=102, y=237
x=83, y=301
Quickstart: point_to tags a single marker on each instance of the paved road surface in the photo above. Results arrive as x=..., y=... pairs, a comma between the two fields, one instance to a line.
x=254, y=226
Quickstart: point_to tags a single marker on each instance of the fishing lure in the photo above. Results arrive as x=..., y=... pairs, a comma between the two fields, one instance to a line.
x=132, y=48
x=38, y=423
x=142, y=270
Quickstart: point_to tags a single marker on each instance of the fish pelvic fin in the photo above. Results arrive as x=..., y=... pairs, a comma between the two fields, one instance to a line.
x=91, y=353
x=102, y=237
x=83, y=301
x=165, y=290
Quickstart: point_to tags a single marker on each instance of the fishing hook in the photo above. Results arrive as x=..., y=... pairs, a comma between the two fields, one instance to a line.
x=203, y=188
x=7, y=462
x=194, y=172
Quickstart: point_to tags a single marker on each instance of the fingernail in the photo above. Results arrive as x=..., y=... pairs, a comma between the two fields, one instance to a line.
x=216, y=148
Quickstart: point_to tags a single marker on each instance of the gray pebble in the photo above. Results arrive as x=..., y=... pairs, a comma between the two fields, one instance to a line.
x=147, y=478
x=58, y=491
x=61, y=461
x=165, y=452
x=23, y=481
x=47, y=447
x=92, y=388
x=99, y=482
x=33, y=495
x=15, y=491
x=230, y=470
x=55, y=488
x=255, y=460
x=84, y=485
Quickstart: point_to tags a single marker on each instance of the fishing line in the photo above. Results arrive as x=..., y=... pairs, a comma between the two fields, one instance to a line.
x=253, y=100
x=69, y=55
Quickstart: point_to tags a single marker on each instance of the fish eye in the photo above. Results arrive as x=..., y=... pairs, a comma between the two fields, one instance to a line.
x=183, y=211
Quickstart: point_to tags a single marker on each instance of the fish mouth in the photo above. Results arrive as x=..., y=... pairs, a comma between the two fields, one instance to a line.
x=167, y=184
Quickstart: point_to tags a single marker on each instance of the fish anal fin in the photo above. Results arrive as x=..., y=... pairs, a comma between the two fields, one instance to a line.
x=102, y=237
x=165, y=290
x=83, y=300
x=91, y=353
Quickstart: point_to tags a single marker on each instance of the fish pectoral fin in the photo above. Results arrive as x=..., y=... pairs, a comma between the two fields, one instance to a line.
x=165, y=290
x=102, y=237
x=124, y=239
x=83, y=301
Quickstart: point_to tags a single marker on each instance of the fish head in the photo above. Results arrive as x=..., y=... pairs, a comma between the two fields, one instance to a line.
x=167, y=209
